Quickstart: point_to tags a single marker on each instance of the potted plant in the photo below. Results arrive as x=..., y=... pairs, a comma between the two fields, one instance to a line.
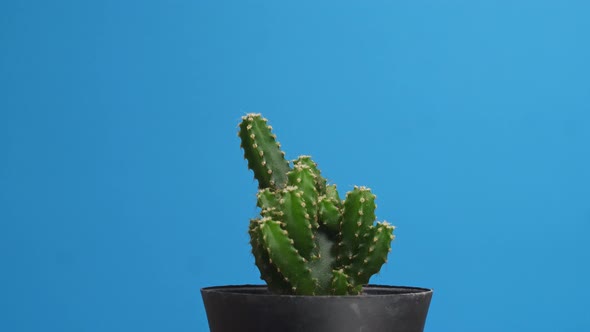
x=315, y=251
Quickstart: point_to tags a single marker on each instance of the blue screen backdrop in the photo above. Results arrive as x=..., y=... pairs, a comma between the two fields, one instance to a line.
x=123, y=190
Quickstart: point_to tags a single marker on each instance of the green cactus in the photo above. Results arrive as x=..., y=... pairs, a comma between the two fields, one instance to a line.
x=307, y=240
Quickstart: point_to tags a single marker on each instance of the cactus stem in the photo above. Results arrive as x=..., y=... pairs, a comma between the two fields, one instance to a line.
x=303, y=216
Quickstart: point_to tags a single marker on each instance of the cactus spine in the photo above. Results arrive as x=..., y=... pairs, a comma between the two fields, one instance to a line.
x=307, y=240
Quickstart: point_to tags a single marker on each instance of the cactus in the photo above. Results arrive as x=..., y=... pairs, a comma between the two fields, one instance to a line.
x=307, y=241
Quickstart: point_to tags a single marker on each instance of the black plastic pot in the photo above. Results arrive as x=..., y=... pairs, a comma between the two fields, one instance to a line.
x=250, y=308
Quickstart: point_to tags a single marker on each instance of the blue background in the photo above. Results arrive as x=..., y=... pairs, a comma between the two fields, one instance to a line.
x=123, y=189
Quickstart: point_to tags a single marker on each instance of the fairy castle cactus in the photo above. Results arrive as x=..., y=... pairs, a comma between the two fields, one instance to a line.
x=307, y=240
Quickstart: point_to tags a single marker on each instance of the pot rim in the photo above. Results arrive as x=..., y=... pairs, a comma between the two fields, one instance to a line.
x=390, y=291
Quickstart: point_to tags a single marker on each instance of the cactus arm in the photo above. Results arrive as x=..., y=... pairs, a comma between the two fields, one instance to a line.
x=355, y=290
x=297, y=221
x=332, y=193
x=267, y=199
x=268, y=272
x=304, y=179
x=268, y=202
x=340, y=284
x=284, y=256
x=373, y=253
x=357, y=217
x=329, y=213
x=263, y=152
x=320, y=180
